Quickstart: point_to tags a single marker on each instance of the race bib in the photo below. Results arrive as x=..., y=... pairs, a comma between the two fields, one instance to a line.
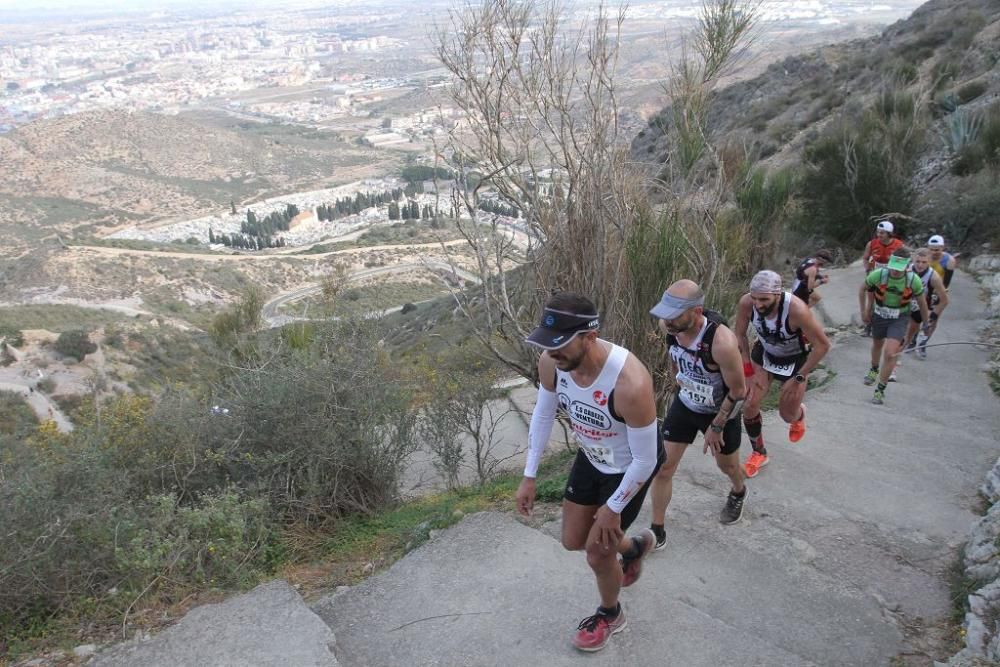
x=599, y=455
x=696, y=392
x=886, y=313
x=784, y=370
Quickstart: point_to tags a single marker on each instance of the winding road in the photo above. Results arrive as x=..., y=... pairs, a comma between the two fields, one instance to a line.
x=206, y=257
x=270, y=310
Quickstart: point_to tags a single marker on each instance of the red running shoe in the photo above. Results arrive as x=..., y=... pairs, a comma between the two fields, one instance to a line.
x=798, y=428
x=594, y=632
x=632, y=567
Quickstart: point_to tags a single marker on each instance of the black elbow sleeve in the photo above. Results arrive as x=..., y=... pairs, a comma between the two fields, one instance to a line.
x=948, y=273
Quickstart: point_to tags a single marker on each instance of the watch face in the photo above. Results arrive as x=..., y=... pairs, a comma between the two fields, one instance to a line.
x=800, y=378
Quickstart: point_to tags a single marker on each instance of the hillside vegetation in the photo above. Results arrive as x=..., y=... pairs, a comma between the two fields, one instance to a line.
x=906, y=122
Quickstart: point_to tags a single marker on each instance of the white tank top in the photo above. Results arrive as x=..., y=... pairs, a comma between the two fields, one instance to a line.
x=776, y=338
x=701, y=390
x=925, y=278
x=602, y=437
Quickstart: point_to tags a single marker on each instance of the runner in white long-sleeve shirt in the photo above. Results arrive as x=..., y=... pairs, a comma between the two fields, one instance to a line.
x=607, y=395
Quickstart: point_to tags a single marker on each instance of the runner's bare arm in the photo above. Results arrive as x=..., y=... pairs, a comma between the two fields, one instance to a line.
x=812, y=277
x=634, y=398
x=800, y=317
x=938, y=285
x=868, y=302
x=547, y=371
x=866, y=258
x=949, y=270
x=925, y=312
x=726, y=353
x=743, y=310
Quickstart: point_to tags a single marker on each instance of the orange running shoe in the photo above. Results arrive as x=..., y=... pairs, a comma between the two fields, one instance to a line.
x=798, y=428
x=755, y=463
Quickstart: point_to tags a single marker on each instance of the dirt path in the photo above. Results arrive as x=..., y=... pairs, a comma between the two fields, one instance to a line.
x=43, y=406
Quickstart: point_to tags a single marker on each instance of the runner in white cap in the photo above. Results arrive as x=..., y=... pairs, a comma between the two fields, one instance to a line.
x=790, y=344
x=876, y=256
x=943, y=264
x=607, y=395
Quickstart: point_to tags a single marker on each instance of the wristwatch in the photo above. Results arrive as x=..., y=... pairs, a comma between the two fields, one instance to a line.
x=799, y=377
x=716, y=428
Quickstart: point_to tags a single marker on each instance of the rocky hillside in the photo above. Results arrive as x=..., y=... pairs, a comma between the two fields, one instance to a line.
x=936, y=71
x=107, y=167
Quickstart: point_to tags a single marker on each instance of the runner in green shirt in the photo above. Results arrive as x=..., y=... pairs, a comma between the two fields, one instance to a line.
x=887, y=309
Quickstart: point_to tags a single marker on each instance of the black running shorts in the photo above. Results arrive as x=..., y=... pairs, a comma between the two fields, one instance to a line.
x=682, y=425
x=757, y=356
x=916, y=316
x=589, y=486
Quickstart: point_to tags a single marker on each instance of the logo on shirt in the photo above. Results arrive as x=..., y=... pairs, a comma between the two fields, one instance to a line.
x=600, y=398
x=589, y=415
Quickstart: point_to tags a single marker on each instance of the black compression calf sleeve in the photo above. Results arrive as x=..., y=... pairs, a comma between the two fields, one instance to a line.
x=753, y=426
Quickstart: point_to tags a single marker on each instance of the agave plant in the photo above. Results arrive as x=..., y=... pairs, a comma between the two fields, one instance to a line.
x=961, y=129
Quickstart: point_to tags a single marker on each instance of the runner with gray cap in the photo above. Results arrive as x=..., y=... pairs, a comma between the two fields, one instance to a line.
x=790, y=344
x=887, y=309
x=607, y=395
x=705, y=361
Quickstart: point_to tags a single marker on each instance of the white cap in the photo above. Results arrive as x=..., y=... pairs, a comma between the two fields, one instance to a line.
x=936, y=241
x=884, y=226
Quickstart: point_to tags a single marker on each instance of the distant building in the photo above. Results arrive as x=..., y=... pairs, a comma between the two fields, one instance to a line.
x=385, y=139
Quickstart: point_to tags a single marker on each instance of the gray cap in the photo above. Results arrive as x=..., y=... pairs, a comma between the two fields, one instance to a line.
x=671, y=307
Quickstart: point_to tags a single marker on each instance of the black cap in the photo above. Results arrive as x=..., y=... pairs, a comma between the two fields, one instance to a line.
x=558, y=328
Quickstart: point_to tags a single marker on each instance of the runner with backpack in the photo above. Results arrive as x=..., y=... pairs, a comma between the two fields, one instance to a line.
x=790, y=344
x=890, y=291
x=705, y=361
x=808, y=277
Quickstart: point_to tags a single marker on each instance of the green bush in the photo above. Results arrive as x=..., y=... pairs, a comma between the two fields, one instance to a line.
x=860, y=167
x=971, y=91
x=905, y=72
x=965, y=211
x=164, y=499
x=989, y=136
x=16, y=418
x=11, y=335
x=221, y=540
x=892, y=103
x=75, y=343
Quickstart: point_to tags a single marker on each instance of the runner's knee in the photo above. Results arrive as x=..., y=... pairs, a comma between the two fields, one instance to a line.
x=728, y=464
x=573, y=542
x=599, y=557
x=789, y=413
x=667, y=470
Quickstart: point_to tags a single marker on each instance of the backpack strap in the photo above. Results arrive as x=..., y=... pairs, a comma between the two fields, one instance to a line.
x=705, y=347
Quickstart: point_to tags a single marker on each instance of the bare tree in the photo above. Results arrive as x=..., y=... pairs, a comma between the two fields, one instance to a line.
x=542, y=134
x=464, y=418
